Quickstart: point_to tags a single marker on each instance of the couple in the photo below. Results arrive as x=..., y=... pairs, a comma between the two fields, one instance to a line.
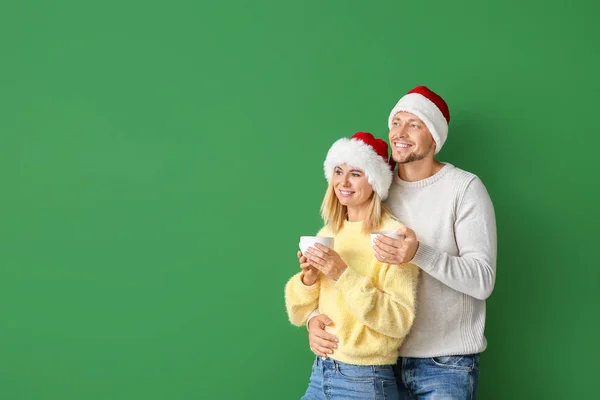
x=360, y=301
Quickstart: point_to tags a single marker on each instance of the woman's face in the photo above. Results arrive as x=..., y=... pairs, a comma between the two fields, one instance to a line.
x=351, y=186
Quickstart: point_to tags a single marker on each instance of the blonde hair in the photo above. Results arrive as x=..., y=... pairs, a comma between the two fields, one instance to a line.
x=334, y=213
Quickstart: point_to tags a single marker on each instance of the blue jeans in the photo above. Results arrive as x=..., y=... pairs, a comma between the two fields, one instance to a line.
x=448, y=378
x=334, y=380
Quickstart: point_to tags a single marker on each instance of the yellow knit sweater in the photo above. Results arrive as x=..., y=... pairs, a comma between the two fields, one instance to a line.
x=372, y=305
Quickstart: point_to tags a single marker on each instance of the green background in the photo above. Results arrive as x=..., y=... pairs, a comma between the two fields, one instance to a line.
x=159, y=160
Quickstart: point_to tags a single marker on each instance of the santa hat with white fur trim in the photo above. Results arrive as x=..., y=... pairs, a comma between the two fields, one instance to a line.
x=430, y=108
x=365, y=152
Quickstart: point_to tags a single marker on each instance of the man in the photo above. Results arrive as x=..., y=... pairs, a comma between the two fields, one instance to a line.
x=454, y=246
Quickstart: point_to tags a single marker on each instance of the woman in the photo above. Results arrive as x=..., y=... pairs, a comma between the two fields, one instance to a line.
x=372, y=304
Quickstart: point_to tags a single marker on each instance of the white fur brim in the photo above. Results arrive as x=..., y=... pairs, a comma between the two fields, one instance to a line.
x=360, y=155
x=428, y=112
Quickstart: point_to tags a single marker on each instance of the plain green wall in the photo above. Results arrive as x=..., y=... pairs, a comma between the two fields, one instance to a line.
x=159, y=160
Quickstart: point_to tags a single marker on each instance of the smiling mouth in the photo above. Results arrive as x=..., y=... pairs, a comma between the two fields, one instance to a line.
x=402, y=146
x=346, y=193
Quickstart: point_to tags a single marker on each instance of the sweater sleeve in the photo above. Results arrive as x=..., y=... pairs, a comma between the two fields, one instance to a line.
x=301, y=300
x=473, y=271
x=390, y=309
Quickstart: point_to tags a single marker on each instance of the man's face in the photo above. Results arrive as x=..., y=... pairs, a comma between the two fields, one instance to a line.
x=410, y=139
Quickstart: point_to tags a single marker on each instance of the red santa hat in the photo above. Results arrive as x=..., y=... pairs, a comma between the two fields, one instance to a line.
x=430, y=108
x=365, y=152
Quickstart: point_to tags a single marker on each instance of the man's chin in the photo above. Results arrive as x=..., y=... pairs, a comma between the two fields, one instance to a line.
x=403, y=160
x=411, y=158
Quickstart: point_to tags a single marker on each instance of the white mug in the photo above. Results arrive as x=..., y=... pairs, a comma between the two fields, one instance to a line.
x=391, y=234
x=309, y=241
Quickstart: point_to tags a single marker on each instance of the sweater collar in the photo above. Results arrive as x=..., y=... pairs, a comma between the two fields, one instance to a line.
x=423, y=182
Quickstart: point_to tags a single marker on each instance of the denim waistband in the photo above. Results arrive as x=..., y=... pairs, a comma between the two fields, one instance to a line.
x=329, y=363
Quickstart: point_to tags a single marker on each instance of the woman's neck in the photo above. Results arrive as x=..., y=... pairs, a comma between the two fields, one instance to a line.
x=356, y=214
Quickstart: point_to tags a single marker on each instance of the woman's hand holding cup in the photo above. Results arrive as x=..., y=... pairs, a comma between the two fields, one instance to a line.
x=309, y=273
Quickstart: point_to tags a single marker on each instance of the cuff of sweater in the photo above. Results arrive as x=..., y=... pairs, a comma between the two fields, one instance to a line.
x=311, y=316
x=425, y=258
x=304, y=291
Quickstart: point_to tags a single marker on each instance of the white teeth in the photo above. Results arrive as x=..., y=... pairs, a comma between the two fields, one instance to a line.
x=345, y=193
x=402, y=145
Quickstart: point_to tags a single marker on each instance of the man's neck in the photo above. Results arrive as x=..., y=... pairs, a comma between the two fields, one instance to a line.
x=419, y=170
